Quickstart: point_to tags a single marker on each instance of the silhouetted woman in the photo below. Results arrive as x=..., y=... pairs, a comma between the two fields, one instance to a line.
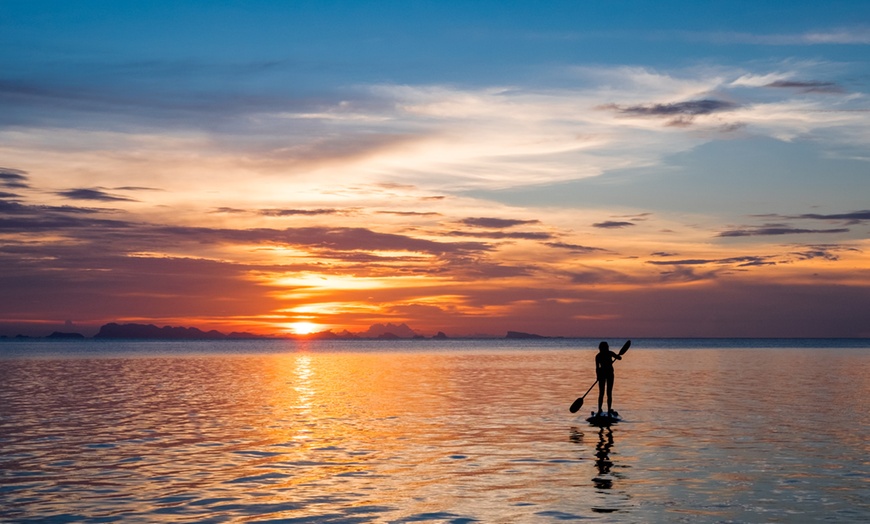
x=604, y=372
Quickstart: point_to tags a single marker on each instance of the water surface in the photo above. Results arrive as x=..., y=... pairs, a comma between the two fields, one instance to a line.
x=435, y=432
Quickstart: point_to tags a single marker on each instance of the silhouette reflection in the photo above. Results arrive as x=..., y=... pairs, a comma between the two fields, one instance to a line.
x=604, y=475
x=602, y=459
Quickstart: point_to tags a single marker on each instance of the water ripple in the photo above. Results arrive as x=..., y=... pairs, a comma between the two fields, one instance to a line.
x=433, y=437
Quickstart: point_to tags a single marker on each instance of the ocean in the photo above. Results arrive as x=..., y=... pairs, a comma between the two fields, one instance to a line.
x=432, y=431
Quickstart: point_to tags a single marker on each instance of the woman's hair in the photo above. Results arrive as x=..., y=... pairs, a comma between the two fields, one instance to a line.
x=603, y=346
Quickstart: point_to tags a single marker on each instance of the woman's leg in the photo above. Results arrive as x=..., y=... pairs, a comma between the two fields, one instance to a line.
x=610, y=393
x=601, y=381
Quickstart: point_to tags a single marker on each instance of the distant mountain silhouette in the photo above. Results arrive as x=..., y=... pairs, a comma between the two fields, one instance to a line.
x=398, y=331
x=58, y=334
x=150, y=331
x=329, y=335
x=520, y=334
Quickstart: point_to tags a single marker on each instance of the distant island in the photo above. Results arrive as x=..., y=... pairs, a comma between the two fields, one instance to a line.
x=150, y=331
x=521, y=335
x=388, y=331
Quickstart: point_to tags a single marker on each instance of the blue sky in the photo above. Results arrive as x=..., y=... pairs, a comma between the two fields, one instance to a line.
x=464, y=166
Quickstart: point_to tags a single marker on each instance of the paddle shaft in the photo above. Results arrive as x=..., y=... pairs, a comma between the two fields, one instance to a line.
x=590, y=387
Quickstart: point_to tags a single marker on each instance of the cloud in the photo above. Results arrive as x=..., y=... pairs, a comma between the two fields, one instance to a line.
x=777, y=230
x=683, y=262
x=859, y=36
x=136, y=188
x=688, y=108
x=741, y=261
x=441, y=136
x=573, y=247
x=836, y=36
x=302, y=212
x=807, y=87
x=142, y=236
x=319, y=238
x=819, y=252
x=681, y=114
x=686, y=274
x=502, y=235
x=13, y=178
x=54, y=221
x=613, y=224
x=839, y=36
x=411, y=213
x=38, y=211
x=855, y=217
x=93, y=194
x=496, y=223
x=597, y=275
x=230, y=210
x=472, y=270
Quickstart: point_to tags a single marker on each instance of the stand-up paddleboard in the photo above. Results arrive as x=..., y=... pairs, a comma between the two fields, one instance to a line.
x=604, y=419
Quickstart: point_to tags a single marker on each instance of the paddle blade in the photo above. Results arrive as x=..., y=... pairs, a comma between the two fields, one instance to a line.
x=575, y=407
x=625, y=347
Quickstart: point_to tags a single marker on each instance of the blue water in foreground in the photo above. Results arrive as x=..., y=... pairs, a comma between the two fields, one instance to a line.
x=432, y=431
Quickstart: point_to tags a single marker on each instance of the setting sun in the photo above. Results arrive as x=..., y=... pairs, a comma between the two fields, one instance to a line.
x=303, y=328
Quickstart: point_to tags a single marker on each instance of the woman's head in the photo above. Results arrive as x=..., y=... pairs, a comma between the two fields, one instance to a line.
x=604, y=346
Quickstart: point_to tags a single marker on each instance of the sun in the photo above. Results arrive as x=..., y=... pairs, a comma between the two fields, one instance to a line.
x=303, y=328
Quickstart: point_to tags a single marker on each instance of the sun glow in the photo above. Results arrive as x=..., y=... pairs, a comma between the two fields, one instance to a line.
x=303, y=328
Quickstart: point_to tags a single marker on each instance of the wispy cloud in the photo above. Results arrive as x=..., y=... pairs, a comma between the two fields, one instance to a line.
x=496, y=223
x=741, y=261
x=13, y=178
x=93, y=194
x=687, y=108
x=613, y=224
x=329, y=238
x=854, y=217
x=597, y=276
x=576, y=248
x=824, y=252
x=807, y=87
x=857, y=35
x=411, y=213
x=502, y=235
x=136, y=188
x=301, y=212
x=777, y=230
x=840, y=36
x=440, y=136
x=681, y=114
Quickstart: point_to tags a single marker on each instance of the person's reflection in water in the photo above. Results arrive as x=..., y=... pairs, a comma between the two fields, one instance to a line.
x=602, y=459
x=611, y=500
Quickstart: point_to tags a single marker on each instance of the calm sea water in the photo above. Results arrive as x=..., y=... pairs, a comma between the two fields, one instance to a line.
x=425, y=431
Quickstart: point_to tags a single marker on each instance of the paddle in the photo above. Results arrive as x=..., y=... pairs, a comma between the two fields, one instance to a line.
x=575, y=407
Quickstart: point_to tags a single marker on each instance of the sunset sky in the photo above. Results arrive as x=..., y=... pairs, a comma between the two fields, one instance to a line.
x=623, y=168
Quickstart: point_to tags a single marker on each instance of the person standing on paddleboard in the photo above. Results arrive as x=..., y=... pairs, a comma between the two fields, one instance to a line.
x=604, y=373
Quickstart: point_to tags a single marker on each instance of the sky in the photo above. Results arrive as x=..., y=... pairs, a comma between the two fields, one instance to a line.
x=624, y=168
